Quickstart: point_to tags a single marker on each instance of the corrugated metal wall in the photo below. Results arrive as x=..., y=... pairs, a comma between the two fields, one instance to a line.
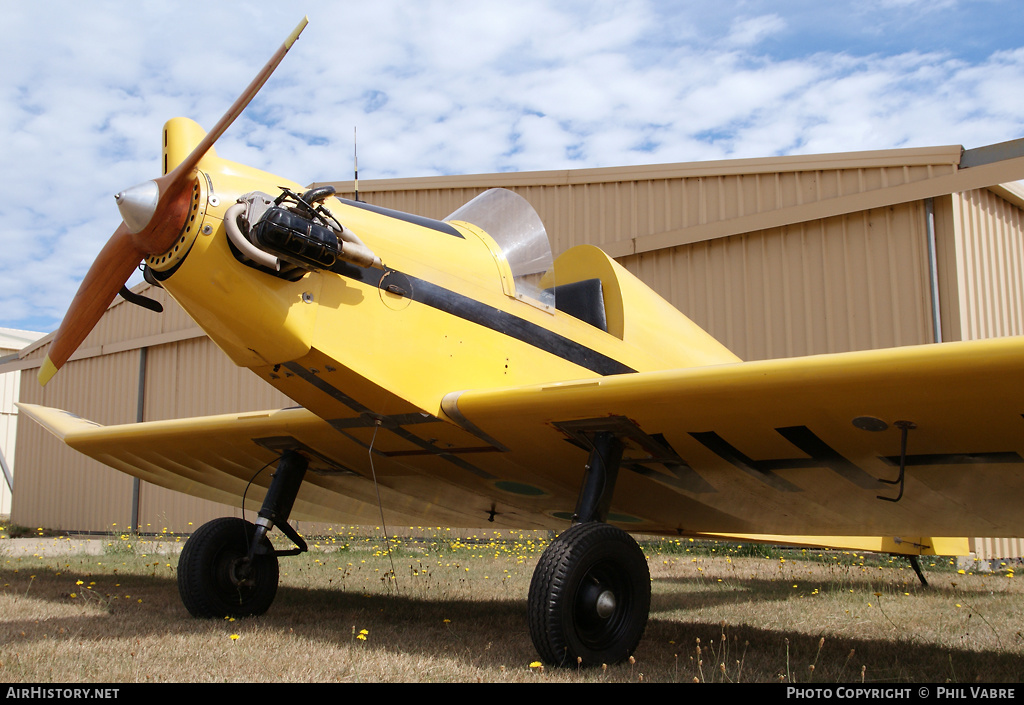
x=988, y=549
x=9, y=385
x=194, y=378
x=57, y=487
x=990, y=264
x=845, y=283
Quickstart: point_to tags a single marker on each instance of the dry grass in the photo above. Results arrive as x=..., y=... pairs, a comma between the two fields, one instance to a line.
x=457, y=612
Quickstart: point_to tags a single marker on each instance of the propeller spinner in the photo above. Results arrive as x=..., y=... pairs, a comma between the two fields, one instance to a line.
x=153, y=214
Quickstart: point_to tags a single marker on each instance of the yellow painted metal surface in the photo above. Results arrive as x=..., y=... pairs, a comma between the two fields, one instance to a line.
x=642, y=319
x=406, y=352
x=898, y=545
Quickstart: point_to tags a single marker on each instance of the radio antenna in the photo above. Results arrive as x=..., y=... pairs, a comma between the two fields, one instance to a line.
x=355, y=157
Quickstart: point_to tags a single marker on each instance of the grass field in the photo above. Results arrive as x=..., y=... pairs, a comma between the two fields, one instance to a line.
x=456, y=611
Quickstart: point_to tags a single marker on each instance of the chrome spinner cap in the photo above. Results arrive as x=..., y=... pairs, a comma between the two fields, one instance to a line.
x=137, y=204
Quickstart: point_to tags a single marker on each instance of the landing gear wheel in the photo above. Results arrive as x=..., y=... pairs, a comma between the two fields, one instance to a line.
x=215, y=577
x=589, y=597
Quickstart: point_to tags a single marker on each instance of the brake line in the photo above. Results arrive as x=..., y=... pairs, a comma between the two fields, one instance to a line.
x=380, y=505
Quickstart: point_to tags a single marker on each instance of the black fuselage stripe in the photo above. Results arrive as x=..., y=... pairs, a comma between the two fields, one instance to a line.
x=438, y=225
x=328, y=389
x=514, y=327
x=492, y=318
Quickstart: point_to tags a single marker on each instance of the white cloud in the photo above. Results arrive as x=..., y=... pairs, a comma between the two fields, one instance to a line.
x=748, y=31
x=463, y=87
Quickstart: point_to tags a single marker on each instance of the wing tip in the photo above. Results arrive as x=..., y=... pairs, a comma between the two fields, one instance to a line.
x=62, y=424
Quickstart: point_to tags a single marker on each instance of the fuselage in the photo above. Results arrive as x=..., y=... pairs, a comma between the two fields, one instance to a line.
x=442, y=313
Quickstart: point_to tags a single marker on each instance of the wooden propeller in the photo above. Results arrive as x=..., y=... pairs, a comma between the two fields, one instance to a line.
x=153, y=213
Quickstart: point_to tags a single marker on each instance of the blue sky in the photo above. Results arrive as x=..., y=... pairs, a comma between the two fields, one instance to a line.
x=467, y=87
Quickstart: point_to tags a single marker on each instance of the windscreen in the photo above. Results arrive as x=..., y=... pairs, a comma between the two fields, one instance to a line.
x=517, y=229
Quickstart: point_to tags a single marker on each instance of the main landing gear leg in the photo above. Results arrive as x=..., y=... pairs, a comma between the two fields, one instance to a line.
x=591, y=591
x=228, y=567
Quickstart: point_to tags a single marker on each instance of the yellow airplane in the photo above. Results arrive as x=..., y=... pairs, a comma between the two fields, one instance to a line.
x=454, y=373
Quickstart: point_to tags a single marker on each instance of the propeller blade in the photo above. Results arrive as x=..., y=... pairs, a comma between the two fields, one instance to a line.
x=115, y=263
x=185, y=170
x=153, y=218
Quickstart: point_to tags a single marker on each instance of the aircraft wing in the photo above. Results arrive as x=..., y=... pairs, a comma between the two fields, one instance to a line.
x=790, y=446
x=222, y=458
x=785, y=447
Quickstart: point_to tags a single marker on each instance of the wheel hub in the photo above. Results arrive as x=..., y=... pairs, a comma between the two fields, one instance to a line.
x=605, y=604
x=240, y=572
x=598, y=600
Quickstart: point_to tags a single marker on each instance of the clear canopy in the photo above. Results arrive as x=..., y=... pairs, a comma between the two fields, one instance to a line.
x=517, y=229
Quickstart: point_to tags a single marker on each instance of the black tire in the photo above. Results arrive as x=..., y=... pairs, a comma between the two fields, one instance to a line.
x=571, y=616
x=211, y=579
